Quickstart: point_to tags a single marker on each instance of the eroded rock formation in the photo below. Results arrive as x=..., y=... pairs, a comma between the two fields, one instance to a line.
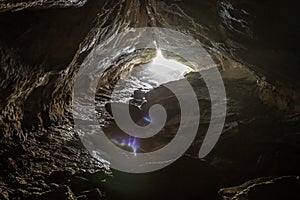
x=43, y=44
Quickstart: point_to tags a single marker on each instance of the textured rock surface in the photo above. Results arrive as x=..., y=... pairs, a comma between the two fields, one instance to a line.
x=43, y=43
x=286, y=187
x=63, y=193
x=17, y=5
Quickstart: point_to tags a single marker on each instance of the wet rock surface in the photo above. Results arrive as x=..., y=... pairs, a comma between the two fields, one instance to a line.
x=43, y=43
x=17, y=5
x=284, y=187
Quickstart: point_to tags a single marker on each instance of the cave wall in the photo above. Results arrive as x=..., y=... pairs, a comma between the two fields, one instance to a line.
x=40, y=42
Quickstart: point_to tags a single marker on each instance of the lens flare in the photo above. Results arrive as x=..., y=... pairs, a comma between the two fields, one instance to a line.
x=147, y=119
x=130, y=143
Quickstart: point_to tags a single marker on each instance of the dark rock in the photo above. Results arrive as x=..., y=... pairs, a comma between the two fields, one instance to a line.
x=138, y=95
x=18, y=5
x=4, y=194
x=135, y=111
x=186, y=178
x=82, y=197
x=61, y=193
x=79, y=184
x=94, y=194
x=96, y=178
x=286, y=187
x=53, y=185
x=59, y=177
